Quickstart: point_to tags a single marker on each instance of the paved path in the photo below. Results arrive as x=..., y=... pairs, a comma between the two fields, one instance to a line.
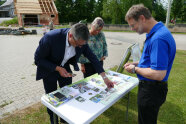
x=18, y=88
x=134, y=37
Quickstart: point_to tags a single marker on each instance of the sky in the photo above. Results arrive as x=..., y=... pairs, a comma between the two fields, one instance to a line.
x=164, y=2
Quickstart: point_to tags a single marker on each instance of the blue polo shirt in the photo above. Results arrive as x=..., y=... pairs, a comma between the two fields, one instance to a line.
x=159, y=51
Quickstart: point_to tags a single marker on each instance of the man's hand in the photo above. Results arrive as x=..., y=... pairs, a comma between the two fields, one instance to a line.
x=109, y=83
x=127, y=64
x=133, y=63
x=103, y=58
x=63, y=72
x=83, y=68
x=130, y=68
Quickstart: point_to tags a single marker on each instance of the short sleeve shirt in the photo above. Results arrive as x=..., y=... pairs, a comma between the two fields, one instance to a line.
x=159, y=51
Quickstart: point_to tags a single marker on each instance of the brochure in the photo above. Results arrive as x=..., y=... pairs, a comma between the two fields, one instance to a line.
x=91, y=88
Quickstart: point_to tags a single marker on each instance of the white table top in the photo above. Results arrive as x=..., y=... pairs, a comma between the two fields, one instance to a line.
x=75, y=112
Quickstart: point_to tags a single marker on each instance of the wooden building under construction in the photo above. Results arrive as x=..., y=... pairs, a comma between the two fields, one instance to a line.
x=36, y=12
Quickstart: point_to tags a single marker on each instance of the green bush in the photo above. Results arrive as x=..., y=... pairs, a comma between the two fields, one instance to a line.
x=63, y=26
x=1, y=2
x=13, y=21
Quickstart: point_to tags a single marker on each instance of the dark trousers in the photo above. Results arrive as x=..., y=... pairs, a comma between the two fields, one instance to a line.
x=50, y=85
x=89, y=69
x=151, y=95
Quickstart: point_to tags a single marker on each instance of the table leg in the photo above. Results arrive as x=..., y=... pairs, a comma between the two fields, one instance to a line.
x=126, y=117
x=55, y=118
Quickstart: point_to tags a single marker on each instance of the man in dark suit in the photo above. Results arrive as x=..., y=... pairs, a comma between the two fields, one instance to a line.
x=59, y=49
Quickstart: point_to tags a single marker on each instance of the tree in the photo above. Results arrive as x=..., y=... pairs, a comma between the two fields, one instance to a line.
x=80, y=8
x=84, y=9
x=75, y=10
x=158, y=11
x=91, y=10
x=112, y=11
x=99, y=8
x=176, y=8
x=183, y=11
x=65, y=10
x=1, y=2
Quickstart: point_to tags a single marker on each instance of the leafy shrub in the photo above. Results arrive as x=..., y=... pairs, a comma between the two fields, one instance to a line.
x=13, y=21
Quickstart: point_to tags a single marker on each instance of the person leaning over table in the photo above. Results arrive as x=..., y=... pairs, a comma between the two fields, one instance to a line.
x=155, y=64
x=97, y=44
x=57, y=50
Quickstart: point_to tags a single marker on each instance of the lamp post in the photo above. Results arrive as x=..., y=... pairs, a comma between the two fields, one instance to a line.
x=168, y=13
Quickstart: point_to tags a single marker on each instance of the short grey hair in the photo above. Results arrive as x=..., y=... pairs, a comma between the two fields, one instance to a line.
x=80, y=31
x=98, y=22
x=136, y=10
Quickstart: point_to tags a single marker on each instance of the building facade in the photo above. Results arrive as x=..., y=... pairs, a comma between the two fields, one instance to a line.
x=30, y=12
x=7, y=9
x=36, y=12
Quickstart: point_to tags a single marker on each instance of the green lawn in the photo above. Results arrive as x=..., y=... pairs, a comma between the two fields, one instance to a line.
x=171, y=112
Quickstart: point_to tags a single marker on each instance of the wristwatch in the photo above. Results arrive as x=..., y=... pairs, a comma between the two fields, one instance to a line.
x=104, y=77
x=133, y=70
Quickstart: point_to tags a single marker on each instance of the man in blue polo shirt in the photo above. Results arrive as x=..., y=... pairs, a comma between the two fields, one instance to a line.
x=155, y=64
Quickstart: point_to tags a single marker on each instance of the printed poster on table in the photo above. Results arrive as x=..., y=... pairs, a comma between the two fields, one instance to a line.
x=91, y=88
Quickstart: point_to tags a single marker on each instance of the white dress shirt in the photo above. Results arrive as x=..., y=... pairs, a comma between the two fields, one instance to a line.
x=69, y=52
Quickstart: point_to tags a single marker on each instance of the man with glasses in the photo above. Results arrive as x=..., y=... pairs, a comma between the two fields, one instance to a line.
x=57, y=50
x=155, y=64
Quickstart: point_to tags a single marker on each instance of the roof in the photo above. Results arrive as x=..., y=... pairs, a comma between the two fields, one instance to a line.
x=8, y=2
x=27, y=6
x=35, y=6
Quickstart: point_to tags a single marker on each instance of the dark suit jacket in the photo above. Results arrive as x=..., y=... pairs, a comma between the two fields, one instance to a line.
x=51, y=50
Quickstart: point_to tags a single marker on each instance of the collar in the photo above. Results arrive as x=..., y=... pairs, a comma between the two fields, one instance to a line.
x=67, y=43
x=154, y=29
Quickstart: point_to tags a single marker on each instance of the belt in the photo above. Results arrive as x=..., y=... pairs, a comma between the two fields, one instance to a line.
x=153, y=82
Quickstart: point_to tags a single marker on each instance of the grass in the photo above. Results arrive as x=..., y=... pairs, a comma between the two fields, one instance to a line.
x=13, y=21
x=62, y=26
x=173, y=111
x=5, y=104
x=35, y=114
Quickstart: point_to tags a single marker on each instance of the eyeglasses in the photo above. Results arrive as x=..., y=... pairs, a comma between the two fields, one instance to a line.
x=132, y=25
x=80, y=42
